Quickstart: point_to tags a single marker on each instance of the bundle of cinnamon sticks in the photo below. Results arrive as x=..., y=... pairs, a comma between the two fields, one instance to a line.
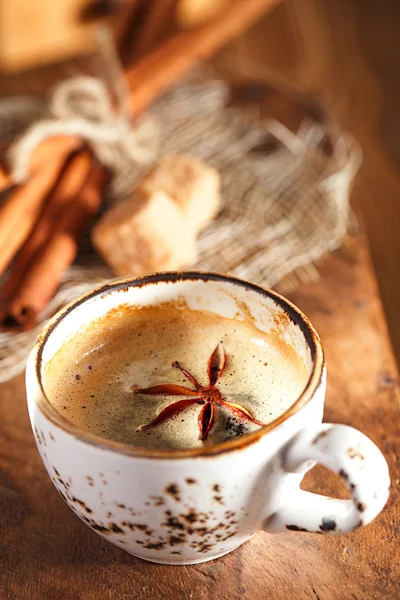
x=40, y=225
x=41, y=221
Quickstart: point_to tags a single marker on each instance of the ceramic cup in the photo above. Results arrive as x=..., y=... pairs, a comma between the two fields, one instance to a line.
x=189, y=506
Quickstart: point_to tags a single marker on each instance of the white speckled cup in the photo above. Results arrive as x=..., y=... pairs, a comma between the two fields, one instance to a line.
x=182, y=507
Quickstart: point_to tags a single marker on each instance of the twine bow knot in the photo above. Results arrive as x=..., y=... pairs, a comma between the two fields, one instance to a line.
x=82, y=106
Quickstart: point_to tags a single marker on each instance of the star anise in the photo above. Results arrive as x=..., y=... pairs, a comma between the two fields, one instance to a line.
x=209, y=396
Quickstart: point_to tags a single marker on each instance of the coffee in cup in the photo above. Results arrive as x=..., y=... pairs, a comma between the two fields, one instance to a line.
x=172, y=378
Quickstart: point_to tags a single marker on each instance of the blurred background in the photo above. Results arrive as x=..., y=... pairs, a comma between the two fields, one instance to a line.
x=342, y=52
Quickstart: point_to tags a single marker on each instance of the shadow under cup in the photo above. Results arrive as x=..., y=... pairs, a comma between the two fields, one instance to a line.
x=174, y=506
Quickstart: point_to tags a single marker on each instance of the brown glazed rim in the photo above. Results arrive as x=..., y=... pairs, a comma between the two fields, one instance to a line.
x=296, y=316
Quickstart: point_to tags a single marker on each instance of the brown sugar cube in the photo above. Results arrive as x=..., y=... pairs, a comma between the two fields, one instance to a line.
x=145, y=234
x=193, y=185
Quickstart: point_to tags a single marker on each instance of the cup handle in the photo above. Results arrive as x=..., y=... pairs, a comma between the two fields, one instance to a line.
x=347, y=452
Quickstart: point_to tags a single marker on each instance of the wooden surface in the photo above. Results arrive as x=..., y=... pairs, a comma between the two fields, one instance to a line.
x=46, y=552
x=346, y=52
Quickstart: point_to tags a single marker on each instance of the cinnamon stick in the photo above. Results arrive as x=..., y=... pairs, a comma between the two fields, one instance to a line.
x=42, y=278
x=158, y=14
x=21, y=209
x=161, y=67
x=73, y=178
x=5, y=180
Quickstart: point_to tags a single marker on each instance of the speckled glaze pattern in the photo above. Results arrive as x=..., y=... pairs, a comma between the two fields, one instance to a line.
x=190, y=506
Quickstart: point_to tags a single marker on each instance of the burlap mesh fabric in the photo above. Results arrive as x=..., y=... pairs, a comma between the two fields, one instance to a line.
x=284, y=204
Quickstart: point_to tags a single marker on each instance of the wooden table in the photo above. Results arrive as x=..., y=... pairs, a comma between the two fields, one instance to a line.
x=46, y=552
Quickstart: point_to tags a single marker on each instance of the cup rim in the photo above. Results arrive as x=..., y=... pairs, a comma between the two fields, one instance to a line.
x=311, y=336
